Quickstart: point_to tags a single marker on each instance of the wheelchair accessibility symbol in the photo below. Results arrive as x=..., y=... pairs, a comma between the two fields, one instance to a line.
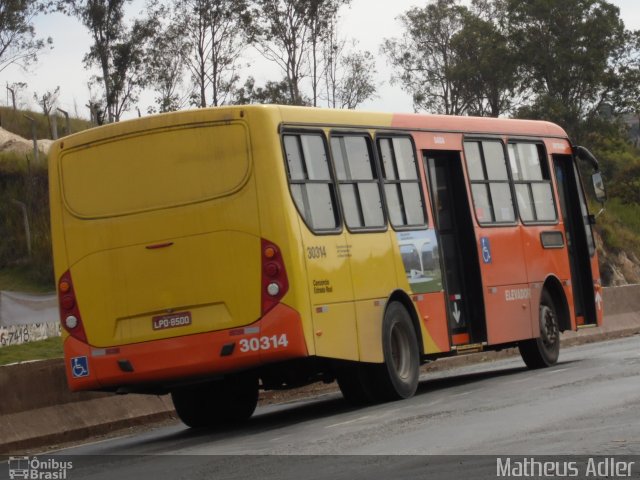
x=486, y=249
x=79, y=367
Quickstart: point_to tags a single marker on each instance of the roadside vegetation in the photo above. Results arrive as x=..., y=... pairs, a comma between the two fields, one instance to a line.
x=40, y=350
x=16, y=122
x=619, y=224
x=25, y=252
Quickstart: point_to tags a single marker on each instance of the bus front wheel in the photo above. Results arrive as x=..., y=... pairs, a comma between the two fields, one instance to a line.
x=217, y=404
x=543, y=351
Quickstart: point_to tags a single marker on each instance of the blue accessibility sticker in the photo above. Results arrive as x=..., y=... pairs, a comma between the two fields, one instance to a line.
x=79, y=367
x=486, y=249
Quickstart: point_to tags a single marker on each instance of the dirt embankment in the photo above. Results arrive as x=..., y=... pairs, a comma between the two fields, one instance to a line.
x=10, y=142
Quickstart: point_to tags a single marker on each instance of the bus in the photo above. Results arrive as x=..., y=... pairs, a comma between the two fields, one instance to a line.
x=213, y=253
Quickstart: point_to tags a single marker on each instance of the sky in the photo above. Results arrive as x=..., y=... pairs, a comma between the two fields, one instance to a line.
x=367, y=21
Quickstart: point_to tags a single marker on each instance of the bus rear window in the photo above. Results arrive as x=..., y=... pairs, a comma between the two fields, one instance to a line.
x=154, y=170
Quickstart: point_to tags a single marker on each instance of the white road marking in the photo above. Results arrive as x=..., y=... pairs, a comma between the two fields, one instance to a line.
x=550, y=372
x=462, y=394
x=347, y=422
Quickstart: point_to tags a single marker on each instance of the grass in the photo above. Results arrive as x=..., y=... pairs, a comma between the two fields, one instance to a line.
x=16, y=122
x=23, y=279
x=619, y=226
x=40, y=350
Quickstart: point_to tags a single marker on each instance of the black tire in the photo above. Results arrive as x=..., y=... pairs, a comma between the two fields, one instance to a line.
x=354, y=383
x=397, y=377
x=217, y=404
x=543, y=351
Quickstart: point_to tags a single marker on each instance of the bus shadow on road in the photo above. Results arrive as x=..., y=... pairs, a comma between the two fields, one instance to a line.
x=271, y=418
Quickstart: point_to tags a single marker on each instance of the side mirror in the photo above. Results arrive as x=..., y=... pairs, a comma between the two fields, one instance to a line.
x=598, y=187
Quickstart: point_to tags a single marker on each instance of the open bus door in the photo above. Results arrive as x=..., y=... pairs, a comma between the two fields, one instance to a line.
x=579, y=234
x=462, y=279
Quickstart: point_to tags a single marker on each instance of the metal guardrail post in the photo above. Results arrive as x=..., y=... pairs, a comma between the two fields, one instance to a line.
x=27, y=229
x=34, y=135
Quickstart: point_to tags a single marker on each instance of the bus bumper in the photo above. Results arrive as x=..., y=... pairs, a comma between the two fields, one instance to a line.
x=276, y=337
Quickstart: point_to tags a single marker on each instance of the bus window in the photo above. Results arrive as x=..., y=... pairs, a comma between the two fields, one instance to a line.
x=401, y=182
x=490, y=188
x=358, y=181
x=311, y=184
x=532, y=182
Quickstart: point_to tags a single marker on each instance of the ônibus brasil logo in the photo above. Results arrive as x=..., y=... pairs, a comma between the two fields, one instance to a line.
x=36, y=469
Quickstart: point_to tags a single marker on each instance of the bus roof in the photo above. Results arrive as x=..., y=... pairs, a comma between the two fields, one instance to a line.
x=421, y=121
x=323, y=116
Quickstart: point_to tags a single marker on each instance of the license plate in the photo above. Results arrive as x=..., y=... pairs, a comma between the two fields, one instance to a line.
x=172, y=320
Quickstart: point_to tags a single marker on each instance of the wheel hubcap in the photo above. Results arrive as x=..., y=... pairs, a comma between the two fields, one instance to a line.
x=548, y=326
x=400, y=351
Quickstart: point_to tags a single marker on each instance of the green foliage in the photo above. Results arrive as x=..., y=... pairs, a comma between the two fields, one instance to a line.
x=117, y=50
x=14, y=121
x=40, y=350
x=565, y=61
x=619, y=227
x=485, y=66
x=18, y=42
x=424, y=57
x=25, y=186
x=272, y=92
x=22, y=182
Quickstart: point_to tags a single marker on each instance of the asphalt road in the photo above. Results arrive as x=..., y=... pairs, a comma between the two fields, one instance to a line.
x=588, y=404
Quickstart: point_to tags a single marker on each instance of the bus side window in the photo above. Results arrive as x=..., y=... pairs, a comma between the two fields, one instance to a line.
x=487, y=167
x=311, y=184
x=358, y=181
x=401, y=182
x=532, y=182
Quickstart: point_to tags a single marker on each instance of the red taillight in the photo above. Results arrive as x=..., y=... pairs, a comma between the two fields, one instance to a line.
x=69, y=312
x=274, y=276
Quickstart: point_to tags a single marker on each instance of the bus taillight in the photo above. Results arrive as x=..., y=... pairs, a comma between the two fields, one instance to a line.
x=69, y=312
x=274, y=276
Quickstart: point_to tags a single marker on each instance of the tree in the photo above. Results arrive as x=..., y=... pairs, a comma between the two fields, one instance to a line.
x=14, y=88
x=47, y=102
x=567, y=48
x=348, y=74
x=323, y=24
x=165, y=65
x=282, y=36
x=117, y=50
x=18, y=42
x=272, y=92
x=128, y=72
x=485, y=67
x=291, y=33
x=216, y=36
x=425, y=57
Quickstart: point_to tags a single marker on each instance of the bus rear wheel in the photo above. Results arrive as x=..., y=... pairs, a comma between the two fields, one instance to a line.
x=217, y=404
x=355, y=384
x=397, y=377
x=543, y=351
